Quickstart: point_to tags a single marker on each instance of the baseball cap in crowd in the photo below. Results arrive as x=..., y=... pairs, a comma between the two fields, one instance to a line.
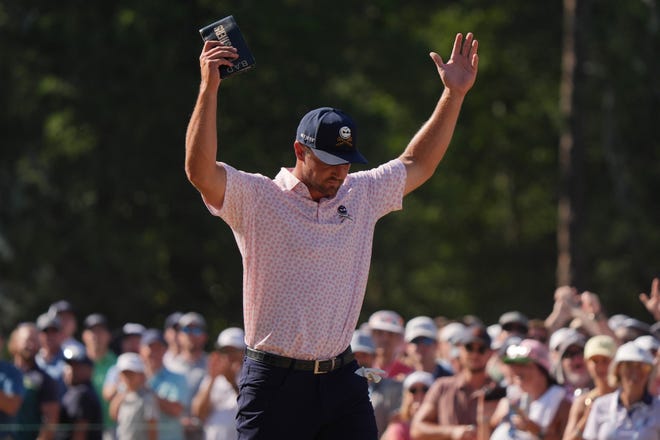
x=172, y=320
x=514, y=321
x=475, y=333
x=529, y=350
x=420, y=327
x=130, y=362
x=600, y=345
x=504, y=345
x=132, y=329
x=75, y=354
x=192, y=319
x=95, y=319
x=637, y=325
x=628, y=352
x=423, y=377
x=61, y=307
x=331, y=135
x=615, y=321
x=231, y=337
x=649, y=343
x=655, y=330
x=151, y=335
x=47, y=321
x=575, y=339
x=558, y=336
x=451, y=331
x=386, y=320
x=361, y=342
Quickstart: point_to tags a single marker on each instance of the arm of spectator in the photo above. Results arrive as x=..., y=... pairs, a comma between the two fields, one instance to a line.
x=10, y=403
x=565, y=297
x=170, y=407
x=424, y=426
x=115, y=403
x=591, y=315
x=652, y=301
x=201, y=404
x=50, y=416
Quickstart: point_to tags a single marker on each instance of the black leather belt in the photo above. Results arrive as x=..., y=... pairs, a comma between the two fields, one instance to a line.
x=317, y=367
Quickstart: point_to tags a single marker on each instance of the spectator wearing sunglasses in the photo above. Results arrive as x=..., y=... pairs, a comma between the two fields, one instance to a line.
x=421, y=336
x=513, y=323
x=451, y=406
x=415, y=387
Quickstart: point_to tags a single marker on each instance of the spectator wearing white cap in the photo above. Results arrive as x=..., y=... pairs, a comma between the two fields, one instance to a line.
x=630, y=412
x=385, y=395
x=415, y=387
x=421, y=337
x=131, y=334
x=447, y=353
x=215, y=404
x=135, y=408
x=570, y=368
x=598, y=353
x=170, y=389
x=386, y=327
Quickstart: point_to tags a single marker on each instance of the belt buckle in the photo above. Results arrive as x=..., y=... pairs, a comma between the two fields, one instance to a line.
x=317, y=364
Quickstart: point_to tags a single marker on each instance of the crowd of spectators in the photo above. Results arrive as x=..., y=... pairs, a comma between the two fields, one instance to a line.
x=577, y=373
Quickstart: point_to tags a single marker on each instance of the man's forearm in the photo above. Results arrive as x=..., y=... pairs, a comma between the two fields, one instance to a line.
x=201, y=137
x=429, y=145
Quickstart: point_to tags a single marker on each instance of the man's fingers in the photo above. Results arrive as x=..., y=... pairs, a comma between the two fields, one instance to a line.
x=458, y=43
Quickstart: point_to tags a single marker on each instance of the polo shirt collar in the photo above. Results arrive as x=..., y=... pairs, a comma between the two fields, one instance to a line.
x=288, y=182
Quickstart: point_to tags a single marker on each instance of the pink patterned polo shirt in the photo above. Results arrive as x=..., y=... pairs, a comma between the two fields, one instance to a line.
x=306, y=263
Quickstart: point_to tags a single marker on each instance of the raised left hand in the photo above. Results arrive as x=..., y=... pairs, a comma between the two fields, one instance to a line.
x=460, y=72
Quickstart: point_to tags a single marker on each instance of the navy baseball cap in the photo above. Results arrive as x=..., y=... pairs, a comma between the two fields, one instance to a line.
x=331, y=135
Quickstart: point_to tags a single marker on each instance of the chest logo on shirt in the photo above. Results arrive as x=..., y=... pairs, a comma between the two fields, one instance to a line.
x=343, y=213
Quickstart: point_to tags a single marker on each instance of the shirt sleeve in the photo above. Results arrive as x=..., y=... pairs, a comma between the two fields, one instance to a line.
x=240, y=193
x=385, y=185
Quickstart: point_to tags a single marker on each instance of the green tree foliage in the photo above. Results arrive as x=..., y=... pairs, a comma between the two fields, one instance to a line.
x=95, y=206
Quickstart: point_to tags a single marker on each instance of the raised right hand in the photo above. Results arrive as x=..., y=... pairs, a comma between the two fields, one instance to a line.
x=215, y=54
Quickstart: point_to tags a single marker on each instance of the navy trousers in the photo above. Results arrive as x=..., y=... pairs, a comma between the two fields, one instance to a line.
x=284, y=403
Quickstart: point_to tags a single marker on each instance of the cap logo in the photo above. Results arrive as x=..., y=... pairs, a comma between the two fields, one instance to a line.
x=345, y=137
x=307, y=138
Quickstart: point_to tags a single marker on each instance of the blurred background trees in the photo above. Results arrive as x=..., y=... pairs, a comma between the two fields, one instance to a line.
x=95, y=97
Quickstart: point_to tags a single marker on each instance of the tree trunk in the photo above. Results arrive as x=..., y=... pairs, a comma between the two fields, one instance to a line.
x=570, y=197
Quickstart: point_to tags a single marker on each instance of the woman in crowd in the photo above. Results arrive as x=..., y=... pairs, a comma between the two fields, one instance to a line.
x=535, y=406
x=415, y=386
x=598, y=354
x=630, y=412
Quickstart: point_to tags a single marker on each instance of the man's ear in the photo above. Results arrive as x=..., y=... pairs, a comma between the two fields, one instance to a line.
x=300, y=150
